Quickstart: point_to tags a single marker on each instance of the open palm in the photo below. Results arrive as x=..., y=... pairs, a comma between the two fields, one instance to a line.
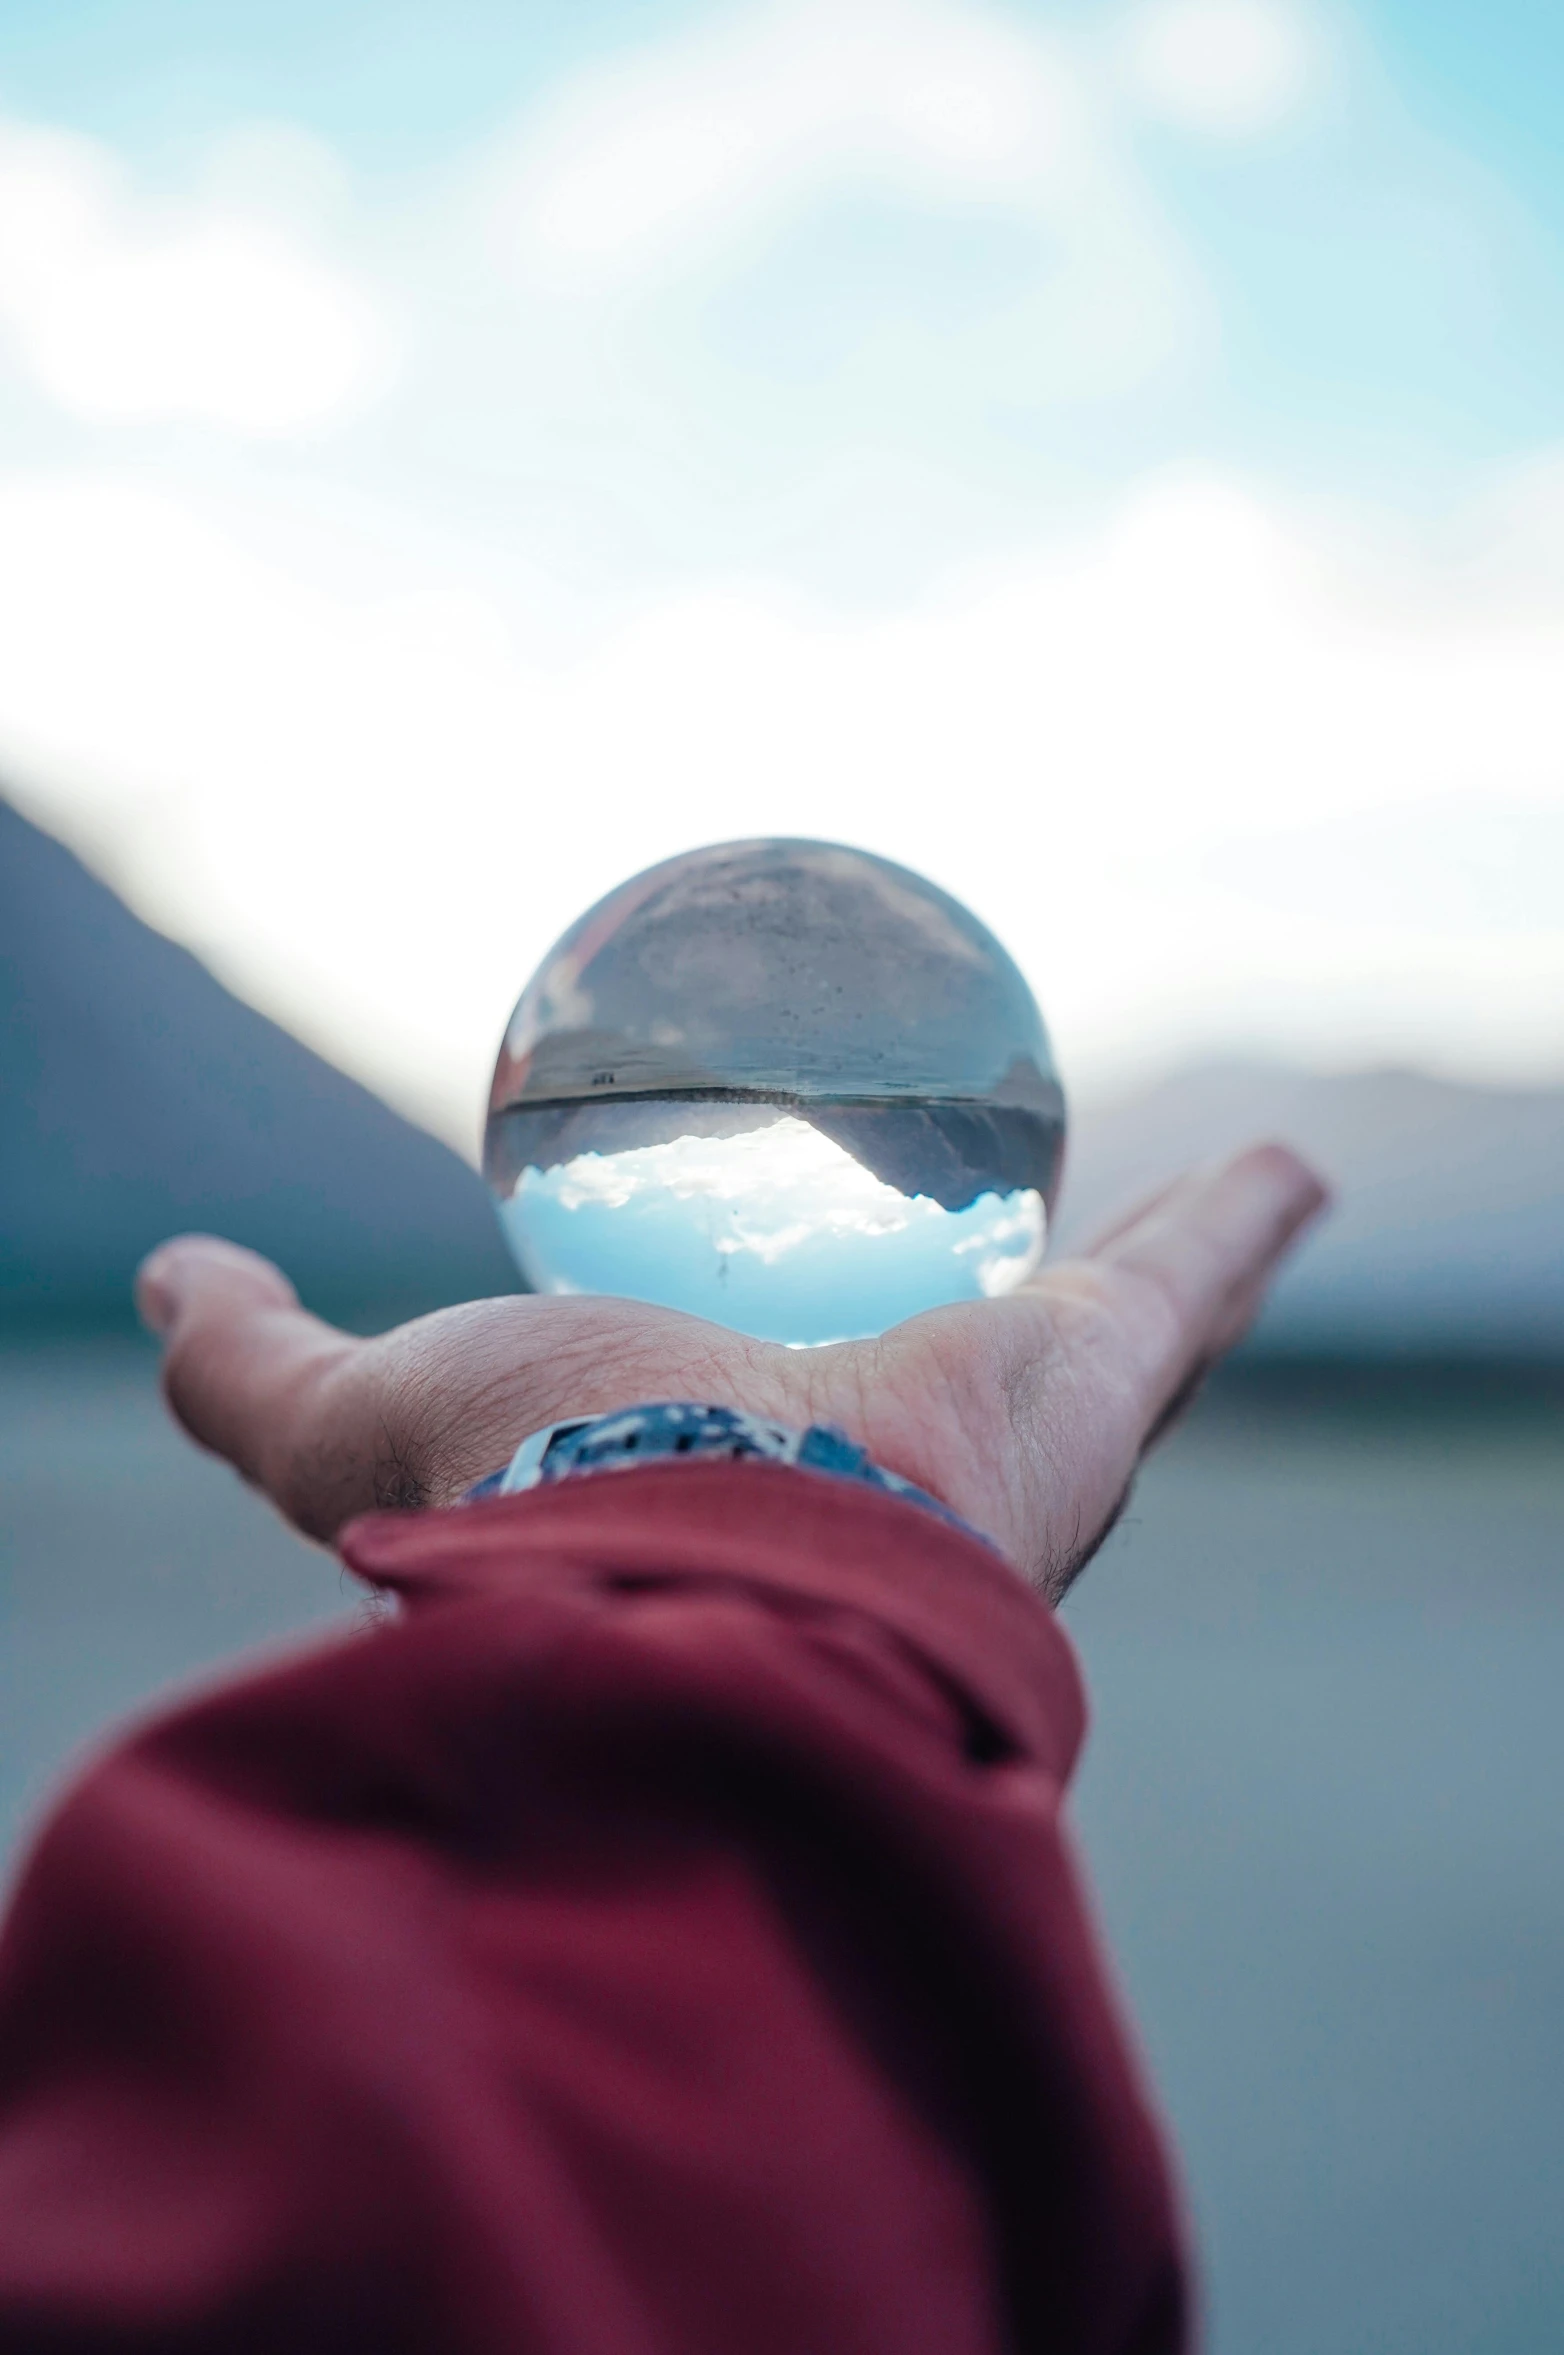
x=1026, y=1415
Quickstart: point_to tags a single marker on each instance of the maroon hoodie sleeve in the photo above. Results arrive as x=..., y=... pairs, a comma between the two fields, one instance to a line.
x=658, y=1937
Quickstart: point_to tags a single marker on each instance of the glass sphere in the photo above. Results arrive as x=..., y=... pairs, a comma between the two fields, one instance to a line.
x=783, y=1085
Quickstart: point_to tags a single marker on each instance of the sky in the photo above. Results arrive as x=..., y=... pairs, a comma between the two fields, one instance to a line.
x=1107, y=456
x=778, y=1228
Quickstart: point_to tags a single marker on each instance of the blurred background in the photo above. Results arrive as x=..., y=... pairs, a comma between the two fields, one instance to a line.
x=1108, y=456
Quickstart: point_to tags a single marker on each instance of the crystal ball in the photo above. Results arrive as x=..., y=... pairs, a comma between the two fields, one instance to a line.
x=783, y=1085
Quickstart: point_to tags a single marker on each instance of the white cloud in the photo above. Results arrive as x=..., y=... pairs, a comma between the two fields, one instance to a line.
x=772, y=1191
x=763, y=105
x=1147, y=760
x=1218, y=772
x=211, y=312
x=772, y=1186
x=659, y=158
x=1229, y=67
x=679, y=161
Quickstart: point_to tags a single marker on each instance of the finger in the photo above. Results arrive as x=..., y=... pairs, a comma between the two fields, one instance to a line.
x=1122, y=1334
x=257, y=1379
x=1131, y=1215
x=1189, y=1271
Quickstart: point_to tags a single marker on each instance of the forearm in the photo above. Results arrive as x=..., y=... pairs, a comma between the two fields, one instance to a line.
x=660, y=1935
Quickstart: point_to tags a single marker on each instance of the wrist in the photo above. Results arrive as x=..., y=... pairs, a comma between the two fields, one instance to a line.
x=672, y=1431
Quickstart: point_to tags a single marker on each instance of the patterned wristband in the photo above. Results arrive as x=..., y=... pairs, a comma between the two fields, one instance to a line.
x=681, y=1429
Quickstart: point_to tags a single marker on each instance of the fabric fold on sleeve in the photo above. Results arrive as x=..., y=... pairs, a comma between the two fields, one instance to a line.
x=658, y=1937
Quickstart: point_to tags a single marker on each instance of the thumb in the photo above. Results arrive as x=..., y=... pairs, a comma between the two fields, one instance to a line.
x=187, y=1278
x=257, y=1379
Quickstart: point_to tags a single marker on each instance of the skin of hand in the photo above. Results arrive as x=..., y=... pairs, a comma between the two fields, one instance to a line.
x=1027, y=1415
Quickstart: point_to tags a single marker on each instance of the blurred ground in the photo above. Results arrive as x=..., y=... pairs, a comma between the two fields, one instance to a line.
x=128, y=1561
x=1322, y=1801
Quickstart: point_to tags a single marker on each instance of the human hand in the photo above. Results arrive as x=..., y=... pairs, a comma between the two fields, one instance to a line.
x=1026, y=1415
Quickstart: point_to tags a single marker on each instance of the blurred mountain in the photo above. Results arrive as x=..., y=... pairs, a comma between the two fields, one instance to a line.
x=138, y=1097
x=1447, y=1238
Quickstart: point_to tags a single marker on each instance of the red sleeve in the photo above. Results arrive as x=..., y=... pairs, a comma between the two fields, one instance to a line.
x=658, y=1938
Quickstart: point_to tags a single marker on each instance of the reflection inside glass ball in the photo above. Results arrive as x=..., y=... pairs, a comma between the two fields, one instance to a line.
x=785, y=1085
x=769, y=1224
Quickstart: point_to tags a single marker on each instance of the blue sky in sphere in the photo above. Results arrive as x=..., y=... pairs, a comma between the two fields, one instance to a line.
x=831, y=1286
x=1110, y=457
x=777, y=1231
